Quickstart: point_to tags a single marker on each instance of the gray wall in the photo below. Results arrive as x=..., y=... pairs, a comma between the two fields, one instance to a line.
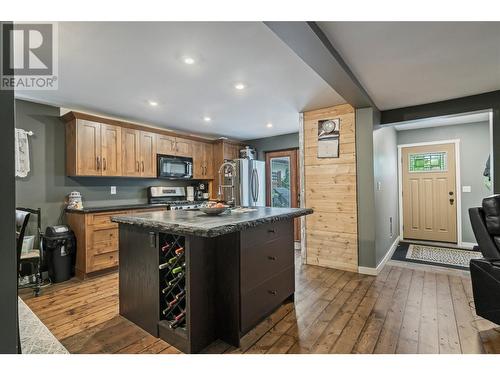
x=385, y=160
x=8, y=258
x=365, y=118
x=279, y=142
x=47, y=185
x=474, y=151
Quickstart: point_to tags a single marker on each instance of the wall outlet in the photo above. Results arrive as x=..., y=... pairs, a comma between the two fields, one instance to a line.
x=466, y=189
x=113, y=190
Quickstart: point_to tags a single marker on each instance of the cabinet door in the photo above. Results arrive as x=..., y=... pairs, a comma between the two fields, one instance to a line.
x=208, y=152
x=183, y=147
x=148, y=154
x=198, y=160
x=165, y=144
x=131, y=152
x=88, y=146
x=111, y=150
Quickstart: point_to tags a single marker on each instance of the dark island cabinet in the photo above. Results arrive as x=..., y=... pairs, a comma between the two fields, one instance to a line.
x=191, y=290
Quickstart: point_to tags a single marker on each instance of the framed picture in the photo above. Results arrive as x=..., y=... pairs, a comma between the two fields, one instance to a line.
x=328, y=138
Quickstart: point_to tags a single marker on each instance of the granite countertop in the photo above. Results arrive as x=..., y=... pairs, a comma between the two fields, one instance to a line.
x=197, y=223
x=88, y=210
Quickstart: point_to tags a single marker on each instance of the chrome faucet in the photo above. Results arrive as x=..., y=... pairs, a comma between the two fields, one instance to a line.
x=232, y=171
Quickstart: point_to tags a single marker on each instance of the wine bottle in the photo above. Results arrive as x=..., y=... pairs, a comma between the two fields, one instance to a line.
x=179, y=319
x=165, y=247
x=179, y=251
x=180, y=294
x=176, y=270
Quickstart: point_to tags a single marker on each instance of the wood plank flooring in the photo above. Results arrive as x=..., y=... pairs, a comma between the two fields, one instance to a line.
x=402, y=310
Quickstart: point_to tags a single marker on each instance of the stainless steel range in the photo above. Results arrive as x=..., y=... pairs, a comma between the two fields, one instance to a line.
x=174, y=196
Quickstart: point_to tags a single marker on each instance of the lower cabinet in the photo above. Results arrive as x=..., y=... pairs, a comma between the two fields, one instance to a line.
x=97, y=240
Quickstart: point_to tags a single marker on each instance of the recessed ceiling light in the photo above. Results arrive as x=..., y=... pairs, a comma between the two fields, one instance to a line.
x=239, y=86
x=152, y=103
x=189, y=60
x=269, y=125
x=207, y=119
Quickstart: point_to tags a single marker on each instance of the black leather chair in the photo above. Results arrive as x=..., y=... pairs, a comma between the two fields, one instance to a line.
x=485, y=272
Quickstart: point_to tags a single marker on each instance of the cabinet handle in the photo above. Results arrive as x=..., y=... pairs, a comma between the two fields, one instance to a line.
x=104, y=164
x=270, y=257
x=143, y=165
x=98, y=163
x=138, y=170
x=271, y=231
x=273, y=292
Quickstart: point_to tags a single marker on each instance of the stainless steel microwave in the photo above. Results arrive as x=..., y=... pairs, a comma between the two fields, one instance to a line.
x=175, y=167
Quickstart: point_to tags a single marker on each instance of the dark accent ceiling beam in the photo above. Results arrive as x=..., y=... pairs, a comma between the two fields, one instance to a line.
x=309, y=42
x=489, y=100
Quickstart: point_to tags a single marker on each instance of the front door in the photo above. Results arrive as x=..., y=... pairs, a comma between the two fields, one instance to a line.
x=429, y=196
x=282, y=181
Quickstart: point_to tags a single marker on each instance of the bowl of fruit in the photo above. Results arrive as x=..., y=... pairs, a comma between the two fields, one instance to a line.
x=214, y=208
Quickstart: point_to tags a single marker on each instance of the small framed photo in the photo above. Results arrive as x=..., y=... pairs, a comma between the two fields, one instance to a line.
x=328, y=138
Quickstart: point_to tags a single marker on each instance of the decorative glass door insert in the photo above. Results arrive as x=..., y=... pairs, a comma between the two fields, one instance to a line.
x=280, y=182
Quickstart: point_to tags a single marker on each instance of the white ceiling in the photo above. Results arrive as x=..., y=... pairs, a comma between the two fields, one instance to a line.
x=115, y=68
x=443, y=121
x=408, y=63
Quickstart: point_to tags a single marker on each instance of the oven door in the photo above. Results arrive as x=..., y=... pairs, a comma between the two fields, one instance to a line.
x=173, y=167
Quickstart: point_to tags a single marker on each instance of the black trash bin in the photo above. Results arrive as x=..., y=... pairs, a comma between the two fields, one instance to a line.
x=60, y=250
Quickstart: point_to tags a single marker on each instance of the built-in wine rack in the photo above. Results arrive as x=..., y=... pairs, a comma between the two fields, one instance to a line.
x=173, y=281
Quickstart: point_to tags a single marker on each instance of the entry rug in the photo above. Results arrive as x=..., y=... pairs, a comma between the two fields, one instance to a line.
x=434, y=255
x=35, y=336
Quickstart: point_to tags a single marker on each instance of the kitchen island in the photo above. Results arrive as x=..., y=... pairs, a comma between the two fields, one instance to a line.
x=191, y=279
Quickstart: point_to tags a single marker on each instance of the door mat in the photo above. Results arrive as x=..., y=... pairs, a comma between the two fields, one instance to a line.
x=435, y=255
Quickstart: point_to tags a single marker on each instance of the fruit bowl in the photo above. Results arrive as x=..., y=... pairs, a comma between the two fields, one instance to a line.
x=213, y=211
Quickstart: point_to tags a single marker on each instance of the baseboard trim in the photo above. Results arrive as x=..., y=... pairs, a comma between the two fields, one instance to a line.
x=468, y=245
x=375, y=271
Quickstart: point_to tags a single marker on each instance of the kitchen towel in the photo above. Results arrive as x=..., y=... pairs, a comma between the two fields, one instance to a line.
x=22, y=153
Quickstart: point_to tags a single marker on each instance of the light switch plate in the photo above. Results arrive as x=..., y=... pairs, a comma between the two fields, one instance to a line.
x=466, y=189
x=113, y=190
x=379, y=185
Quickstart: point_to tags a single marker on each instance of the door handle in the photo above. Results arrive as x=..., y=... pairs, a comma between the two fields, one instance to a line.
x=451, y=201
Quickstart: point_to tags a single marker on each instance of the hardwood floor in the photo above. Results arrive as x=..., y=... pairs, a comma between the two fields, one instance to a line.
x=402, y=310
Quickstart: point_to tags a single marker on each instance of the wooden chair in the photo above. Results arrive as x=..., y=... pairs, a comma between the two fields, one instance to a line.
x=33, y=257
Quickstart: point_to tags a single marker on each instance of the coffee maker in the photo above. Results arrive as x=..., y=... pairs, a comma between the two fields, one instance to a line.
x=201, y=191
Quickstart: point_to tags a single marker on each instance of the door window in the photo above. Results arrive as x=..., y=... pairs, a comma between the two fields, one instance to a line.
x=280, y=182
x=428, y=162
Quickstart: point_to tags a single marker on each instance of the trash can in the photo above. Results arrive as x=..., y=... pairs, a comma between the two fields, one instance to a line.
x=60, y=249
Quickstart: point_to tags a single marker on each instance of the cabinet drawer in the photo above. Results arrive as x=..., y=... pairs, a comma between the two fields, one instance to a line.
x=257, y=303
x=102, y=261
x=104, y=218
x=266, y=233
x=261, y=261
x=103, y=240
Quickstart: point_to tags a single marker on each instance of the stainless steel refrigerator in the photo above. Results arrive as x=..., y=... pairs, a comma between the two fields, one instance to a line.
x=245, y=183
x=250, y=183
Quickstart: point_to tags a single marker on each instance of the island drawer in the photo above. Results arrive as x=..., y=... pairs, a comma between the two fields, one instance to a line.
x=266, y=233
x=257, y=303
x=264, y=260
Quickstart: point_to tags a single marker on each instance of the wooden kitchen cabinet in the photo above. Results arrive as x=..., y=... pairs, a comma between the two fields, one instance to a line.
x=202, y=161
x=165, y=144
x=148, y=154
x=183, y=147
x=111, y=150
x=131, y=154
x=139, y=153
x=93, y=149
x=97, y=240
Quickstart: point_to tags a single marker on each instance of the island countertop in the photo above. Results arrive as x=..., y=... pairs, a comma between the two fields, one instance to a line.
x=196, y=223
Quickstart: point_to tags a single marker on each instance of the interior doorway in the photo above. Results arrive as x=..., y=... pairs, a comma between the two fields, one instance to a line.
x=430, y=192
x=282, y=181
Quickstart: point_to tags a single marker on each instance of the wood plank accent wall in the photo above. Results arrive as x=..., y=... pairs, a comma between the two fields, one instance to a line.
x=330, y=189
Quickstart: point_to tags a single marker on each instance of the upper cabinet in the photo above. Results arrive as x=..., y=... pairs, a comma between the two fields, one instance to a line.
x=93, y=149
x=202, y=160
x=168, y=145
x=98, y=146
